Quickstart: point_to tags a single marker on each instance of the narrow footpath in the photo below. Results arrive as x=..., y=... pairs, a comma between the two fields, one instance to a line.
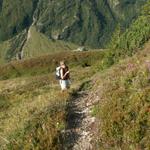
x=82, y=127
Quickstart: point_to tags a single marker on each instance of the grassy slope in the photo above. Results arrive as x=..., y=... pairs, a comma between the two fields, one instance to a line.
x=131, y=41
x=87, y=23
x=31, y=100
x=26, y=100
x=38, y=44
x=3, y=46
x=46, y=64
x=31, y=110
x=124, y=108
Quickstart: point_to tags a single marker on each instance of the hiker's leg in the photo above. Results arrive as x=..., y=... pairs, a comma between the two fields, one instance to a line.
x=63, y=85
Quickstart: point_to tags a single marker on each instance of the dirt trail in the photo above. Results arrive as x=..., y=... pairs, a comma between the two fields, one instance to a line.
x=81, y=125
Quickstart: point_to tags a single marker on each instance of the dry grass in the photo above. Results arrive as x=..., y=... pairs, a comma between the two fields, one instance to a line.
x=32, y=108
x=46, y=64
x=24, y=101
x=124, y=108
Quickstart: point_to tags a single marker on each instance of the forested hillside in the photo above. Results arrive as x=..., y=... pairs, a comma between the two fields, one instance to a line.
x=84, y=23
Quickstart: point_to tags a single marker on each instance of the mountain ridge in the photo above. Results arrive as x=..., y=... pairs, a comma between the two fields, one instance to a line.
x=84, y=23
x=34, y=12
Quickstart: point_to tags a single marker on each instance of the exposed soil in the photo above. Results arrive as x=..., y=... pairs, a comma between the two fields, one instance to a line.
x=81, y=130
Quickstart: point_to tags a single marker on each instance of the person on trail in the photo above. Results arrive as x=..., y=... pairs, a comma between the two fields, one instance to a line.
x=64, y=76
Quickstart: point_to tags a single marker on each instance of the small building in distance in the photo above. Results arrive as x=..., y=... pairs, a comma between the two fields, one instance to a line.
x=81, y=49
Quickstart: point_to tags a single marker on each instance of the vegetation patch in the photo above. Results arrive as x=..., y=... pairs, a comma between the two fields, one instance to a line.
x=47, y=64
x=124, y=104
x=132, y=40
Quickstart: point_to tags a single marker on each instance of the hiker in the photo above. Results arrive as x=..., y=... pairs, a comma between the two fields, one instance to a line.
x=63, y=75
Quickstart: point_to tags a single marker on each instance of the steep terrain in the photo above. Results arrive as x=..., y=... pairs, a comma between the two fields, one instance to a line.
x=123, y=109
x=81, y=22
x=108, y=105
x=53, y=19
x=15, y=16
x=137, y=33
x=31, y=44
x=30, y=98
x=129, y=42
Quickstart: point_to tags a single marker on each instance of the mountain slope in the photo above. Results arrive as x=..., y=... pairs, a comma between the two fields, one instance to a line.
x=76, y=21
x=124, y=103
x=38, y=44
x=34, y=113
x=137, y=33
x=15, y=16
x=129, y=42
x=30, y=100
x=31, y=44
x=32, y=108
x=82, y=22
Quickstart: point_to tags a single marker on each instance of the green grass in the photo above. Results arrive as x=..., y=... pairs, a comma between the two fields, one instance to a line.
x=47, y=64
x=38, y=44
x=3, y=50
x=32, y=108
x=128, y=43
x=124, y=107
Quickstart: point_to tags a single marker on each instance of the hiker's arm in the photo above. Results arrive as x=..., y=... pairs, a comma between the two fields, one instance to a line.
x=63, y=76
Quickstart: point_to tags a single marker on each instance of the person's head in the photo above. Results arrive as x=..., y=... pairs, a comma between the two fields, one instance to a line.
x=62, y=64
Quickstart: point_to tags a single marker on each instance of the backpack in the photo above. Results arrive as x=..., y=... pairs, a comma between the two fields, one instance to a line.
x=58, y=77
